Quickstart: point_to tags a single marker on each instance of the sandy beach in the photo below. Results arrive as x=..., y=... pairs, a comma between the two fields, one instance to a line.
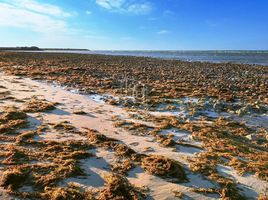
x=119, y=127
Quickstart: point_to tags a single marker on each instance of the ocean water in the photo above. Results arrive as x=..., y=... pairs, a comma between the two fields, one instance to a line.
x=245, y=57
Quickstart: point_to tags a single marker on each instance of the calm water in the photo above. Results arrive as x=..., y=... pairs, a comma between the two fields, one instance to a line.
x=247, y=57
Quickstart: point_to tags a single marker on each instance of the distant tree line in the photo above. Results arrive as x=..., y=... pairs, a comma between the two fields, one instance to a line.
x=32, y=48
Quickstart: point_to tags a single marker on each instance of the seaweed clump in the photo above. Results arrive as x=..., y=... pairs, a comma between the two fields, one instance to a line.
x=12, y=113
x=164, y=167
x=118, y=187
x=13, y=178
x=63, y=193
x=12, y=119
x=41, y=165
x=122, y=167
x=36, y=105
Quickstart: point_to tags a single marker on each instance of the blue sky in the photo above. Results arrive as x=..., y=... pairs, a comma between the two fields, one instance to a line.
x=135, y=24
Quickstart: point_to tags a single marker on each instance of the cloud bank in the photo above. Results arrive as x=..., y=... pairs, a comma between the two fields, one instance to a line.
x=33, y=15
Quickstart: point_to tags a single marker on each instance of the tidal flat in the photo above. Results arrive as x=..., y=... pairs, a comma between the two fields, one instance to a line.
x=76, y=126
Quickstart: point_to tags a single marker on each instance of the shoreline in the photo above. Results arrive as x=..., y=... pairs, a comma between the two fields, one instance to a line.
x=196, y=134
x=126, y=54
x=200, y=77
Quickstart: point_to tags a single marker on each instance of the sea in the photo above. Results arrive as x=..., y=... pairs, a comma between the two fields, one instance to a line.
x=244, y=57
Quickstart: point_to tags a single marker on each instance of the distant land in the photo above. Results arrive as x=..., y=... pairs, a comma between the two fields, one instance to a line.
x=34, y=48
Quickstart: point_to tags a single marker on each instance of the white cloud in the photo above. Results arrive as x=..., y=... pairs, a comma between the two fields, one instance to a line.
x=162, y=32
x=138, y=9
x=110, y=4
x=32, y=15
x=126, y=6
x=88, y=12
x=42, y=8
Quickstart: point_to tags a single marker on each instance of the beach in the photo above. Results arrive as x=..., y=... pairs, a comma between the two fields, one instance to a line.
x=124, y=127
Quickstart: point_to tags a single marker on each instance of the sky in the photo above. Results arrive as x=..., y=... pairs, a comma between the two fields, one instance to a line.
x=135, y=24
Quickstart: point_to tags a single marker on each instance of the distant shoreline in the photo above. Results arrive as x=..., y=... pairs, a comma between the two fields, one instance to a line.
x=249, y=57
x=39, y=49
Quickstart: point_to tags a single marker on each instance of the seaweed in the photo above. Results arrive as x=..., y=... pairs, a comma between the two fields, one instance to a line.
x=13, y=178
x=118, y=187
x=164, y=167
x=36, y=105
